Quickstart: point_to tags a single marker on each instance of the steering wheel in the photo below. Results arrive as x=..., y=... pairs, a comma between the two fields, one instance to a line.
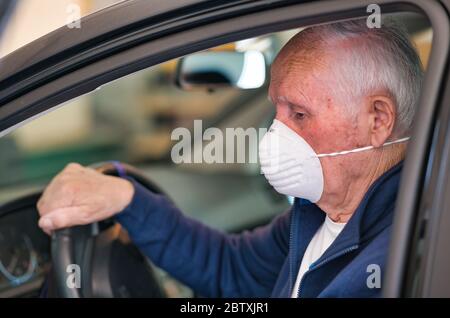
x=99, y=260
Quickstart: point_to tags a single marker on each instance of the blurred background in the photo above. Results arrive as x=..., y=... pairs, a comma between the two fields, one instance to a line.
x=132, y=119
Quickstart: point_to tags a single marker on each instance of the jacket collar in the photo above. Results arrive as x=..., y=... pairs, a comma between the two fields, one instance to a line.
x=373, y=214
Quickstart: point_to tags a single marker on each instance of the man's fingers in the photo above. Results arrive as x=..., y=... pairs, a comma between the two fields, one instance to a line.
x=47, y=203
x=62, y=218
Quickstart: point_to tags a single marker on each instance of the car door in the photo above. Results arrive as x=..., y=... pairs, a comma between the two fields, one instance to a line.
x=137, y=34
x=419, y=264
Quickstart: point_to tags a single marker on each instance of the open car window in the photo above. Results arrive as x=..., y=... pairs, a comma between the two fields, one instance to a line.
x=132, y=120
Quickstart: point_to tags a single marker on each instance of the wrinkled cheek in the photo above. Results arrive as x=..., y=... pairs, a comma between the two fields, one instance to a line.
x=327, y=139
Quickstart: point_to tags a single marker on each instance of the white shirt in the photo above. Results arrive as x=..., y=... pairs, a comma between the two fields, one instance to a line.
x=323, y=238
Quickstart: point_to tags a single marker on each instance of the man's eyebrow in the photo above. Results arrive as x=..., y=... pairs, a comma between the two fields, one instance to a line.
x=292, y=105
x=278, y=99
x=299, y=107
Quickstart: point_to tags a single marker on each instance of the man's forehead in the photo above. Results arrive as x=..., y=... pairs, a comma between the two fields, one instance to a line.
x=289, y=76
x=300, y=60
x=300, y=87
x=289, y=93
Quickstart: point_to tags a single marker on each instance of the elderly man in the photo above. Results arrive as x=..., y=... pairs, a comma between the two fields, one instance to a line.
x=345, y=97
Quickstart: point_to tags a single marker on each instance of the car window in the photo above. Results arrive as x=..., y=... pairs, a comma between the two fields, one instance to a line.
x=132, y=120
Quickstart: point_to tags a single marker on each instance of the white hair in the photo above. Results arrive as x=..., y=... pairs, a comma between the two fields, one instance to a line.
x=379, y=58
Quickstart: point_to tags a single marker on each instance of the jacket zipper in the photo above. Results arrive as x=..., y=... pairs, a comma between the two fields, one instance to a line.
x=326, y=260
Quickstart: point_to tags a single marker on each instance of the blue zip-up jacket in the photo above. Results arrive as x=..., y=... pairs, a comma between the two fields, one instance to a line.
x=265, y=262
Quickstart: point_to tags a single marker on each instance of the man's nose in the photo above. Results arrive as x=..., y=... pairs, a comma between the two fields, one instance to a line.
x=283, y=116
x=285, y=120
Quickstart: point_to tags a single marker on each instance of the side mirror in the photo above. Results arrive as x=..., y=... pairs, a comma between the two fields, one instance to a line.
x=211, y=69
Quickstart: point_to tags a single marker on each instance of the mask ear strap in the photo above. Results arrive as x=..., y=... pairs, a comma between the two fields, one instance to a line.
x=397, y=141
x=333, y=154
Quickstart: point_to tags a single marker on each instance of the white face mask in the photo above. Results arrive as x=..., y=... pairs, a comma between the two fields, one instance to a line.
x=290, y=164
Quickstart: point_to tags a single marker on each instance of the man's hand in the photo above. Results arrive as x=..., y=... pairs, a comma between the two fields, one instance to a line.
x=79, y=195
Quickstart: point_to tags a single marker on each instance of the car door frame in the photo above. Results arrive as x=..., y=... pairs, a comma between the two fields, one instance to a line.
x=74, y=64
x=427, y=271
x=427, y=261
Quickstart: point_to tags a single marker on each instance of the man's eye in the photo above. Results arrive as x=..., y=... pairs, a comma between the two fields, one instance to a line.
x=299, y=116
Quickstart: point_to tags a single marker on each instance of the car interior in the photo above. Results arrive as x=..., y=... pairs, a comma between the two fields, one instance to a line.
x=130, y=120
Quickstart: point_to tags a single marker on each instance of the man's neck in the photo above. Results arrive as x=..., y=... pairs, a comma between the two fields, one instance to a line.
x=341, y=208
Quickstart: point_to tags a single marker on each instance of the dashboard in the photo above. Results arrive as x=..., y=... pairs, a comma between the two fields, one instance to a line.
x=24, y=249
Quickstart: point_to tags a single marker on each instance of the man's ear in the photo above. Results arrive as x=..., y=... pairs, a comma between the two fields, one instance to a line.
x=381, y=119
